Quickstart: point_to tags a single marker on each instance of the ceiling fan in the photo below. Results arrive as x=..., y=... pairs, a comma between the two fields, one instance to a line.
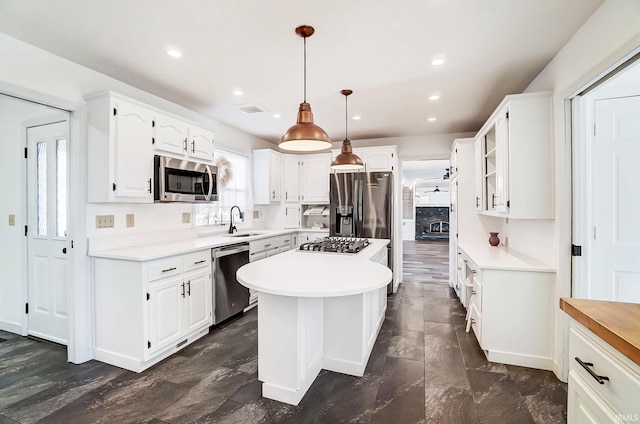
x=438, y=190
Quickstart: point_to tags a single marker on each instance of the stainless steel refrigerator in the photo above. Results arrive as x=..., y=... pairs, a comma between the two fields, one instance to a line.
x=361, y=205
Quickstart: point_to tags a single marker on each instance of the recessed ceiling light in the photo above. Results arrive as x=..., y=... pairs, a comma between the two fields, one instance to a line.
x=174, y=53
x=431, y=119
x=356, y=118
x=238, y=92
x=437, y=62
x=434, y=97
x=276, y=115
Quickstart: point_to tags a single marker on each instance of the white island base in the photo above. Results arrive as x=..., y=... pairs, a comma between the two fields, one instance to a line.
x=316, y=311
x=299, y=336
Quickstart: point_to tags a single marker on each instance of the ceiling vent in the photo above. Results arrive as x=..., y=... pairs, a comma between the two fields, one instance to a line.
x=251, y=108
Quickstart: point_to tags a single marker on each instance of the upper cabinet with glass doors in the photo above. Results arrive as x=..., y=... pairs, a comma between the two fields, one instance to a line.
x=514, y=167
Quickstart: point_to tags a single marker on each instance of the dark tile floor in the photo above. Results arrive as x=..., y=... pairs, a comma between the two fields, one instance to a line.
x=424, y=368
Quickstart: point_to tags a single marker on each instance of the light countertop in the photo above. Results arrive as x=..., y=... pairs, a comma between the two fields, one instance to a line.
x=317, y=274
x=616, y=323
x=162, y=250
x=498, y=257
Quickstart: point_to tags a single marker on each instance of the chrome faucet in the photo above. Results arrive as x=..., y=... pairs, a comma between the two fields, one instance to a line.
x=232, y=227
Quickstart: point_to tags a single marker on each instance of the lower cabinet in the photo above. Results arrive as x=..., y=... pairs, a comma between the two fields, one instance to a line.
x=612, y=399
x=510, y=306
x=145, y=311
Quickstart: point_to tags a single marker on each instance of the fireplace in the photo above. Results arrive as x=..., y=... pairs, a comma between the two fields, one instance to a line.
x=432, y=223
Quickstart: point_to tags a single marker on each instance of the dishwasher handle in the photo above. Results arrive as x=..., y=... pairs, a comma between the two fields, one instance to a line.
x=229, y=250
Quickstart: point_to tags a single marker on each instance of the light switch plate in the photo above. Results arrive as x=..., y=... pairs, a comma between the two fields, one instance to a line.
x=186, y=218
x=130, y=220
x=104, y=221
x=12, y=219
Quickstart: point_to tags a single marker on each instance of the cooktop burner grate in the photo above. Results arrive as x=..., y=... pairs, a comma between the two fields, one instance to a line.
x=335, y=245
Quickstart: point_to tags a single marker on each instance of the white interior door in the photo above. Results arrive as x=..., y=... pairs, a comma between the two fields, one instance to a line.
x=47, y=231
x=616, y=200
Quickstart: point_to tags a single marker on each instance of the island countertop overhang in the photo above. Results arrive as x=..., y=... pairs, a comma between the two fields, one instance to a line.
x=317, y=274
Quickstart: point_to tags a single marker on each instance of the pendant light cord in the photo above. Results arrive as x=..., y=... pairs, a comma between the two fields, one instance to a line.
x=305, y=69
x=346, y=117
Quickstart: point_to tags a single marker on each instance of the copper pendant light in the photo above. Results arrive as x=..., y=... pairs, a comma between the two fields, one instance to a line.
x=346, y=160
x=305, y=136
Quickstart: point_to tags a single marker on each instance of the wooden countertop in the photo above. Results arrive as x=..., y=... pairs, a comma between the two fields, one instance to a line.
x=616, y=323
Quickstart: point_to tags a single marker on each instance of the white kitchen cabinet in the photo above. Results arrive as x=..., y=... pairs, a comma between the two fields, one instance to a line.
x=515, y=158
x=146, y=311
x=613, y=401
x=267, y=176
x=377, y=158
x=266, y=247
x=180, y=139
x=510, y=301
x=291, y=180
x=170, y=135
x=200, y=144
x=292, y=217
x=119, y=150
x=315, y=178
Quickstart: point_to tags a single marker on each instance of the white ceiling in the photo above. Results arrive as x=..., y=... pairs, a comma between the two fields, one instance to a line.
x=381, y=49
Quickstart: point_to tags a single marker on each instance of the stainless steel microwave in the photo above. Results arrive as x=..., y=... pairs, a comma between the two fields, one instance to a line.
x=178, y=180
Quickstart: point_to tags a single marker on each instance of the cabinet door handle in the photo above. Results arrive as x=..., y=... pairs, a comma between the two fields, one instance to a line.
x=183, y=290
x=169, y=269
x=149, y=185
x=200, y=262
x=267, y=245
x=185, y=144
x=193, y=146
x=586, y=365
x=493, y=200
x=189, y=288
x=477, y=202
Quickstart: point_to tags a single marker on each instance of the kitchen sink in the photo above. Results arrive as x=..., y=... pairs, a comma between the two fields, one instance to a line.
x=245, y=234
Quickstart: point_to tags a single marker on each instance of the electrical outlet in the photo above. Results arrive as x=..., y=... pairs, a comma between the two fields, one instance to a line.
x=12, y=219
x=104, y=221
x=130, y=220
x=186, y=218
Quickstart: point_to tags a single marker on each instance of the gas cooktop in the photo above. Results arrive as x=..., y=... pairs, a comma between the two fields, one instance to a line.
x=335, y=245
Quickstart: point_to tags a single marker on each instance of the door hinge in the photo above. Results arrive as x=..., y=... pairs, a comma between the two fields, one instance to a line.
x=148, y=344
x=508, y=203
x=148, y=296
x=26, y=308
x=153, y=124
x=576, y=250
x=153, y=140
x=26, y=230
x=114, y=186
x=507, y=115
x=26, y=155
x=115, y=111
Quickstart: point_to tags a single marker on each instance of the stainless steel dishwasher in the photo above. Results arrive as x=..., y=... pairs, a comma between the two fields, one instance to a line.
x=229, y=296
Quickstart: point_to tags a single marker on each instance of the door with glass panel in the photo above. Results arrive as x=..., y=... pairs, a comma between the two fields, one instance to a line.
x=47, y=231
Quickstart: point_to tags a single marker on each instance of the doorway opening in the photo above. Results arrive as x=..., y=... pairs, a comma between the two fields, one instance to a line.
x=425, y=221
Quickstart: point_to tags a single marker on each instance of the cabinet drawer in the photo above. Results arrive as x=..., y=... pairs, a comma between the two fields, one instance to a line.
x=197, y=260
x=165, y=268
x=286, y=242
x=261, y=245
x=622, y=388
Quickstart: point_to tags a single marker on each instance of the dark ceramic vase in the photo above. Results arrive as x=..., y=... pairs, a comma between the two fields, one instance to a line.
x=494, y=240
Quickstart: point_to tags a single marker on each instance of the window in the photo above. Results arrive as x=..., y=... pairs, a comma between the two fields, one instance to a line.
x=233, y=189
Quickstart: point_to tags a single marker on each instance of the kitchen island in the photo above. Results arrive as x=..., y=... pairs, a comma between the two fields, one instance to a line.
x=316, y=311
